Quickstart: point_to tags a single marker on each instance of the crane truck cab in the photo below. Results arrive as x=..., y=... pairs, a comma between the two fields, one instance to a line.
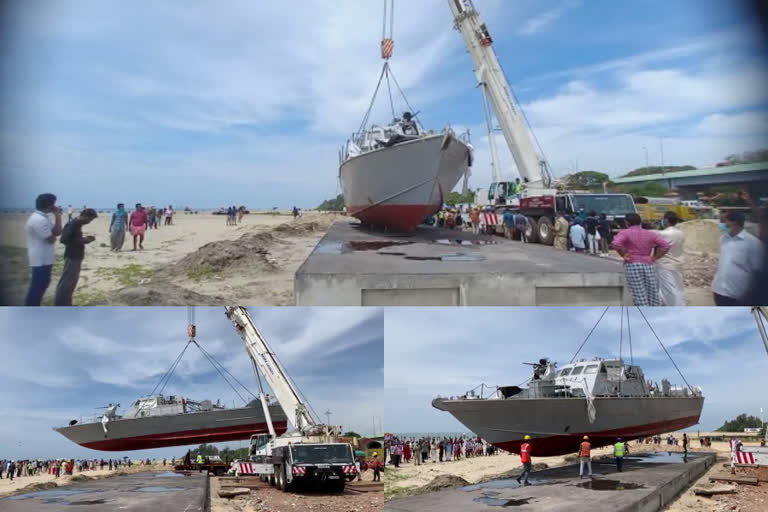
x=329, y=465
x=541, y=206
x=287, y=463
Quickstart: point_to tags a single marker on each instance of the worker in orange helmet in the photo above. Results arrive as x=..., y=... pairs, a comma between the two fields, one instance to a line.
x=525, y=458
x=585, y=457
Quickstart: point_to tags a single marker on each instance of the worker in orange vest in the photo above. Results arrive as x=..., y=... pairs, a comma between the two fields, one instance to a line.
x=525, y=458
x=585, y=457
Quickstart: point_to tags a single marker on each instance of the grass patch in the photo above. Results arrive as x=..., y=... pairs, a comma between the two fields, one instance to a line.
x=127, y=275
x=90, y=299
x=201, y=272
x=390, y=476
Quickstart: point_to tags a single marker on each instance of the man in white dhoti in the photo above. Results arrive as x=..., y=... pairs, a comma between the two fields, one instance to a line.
x=669, y=267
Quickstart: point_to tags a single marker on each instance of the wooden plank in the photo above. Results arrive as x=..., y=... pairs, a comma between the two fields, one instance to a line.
x=723, y=489
x=250, y=485
x=231, y=493
x=739, y=479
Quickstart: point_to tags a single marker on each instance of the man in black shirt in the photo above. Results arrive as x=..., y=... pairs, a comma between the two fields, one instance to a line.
x=72, y=237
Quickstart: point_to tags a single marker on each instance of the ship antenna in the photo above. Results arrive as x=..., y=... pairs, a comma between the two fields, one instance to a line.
x=588, y=335
x=665, y=349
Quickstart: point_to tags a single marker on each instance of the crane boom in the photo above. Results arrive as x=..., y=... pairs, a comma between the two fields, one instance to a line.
x=266, y=361
x=490, y=76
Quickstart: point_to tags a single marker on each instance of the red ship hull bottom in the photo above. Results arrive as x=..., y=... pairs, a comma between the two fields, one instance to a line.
x=209, y=435
x=562, y=445
x=395, y=217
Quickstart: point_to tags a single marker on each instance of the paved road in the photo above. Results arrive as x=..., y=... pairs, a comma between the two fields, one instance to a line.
x=139, y=492
x=561, y=489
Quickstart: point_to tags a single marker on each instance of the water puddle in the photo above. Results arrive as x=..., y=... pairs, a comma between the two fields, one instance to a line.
x=502, y=502
x=509, y=484
x=158, y=489
x=53, y=493
x=660, y=458
x=447, y=257
x=355, y=246
x=600, y=484
x=465, y=243
x=169, y=474
x=88, y=502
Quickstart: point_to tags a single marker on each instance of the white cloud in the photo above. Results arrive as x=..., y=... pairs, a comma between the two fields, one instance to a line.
x=542, y=20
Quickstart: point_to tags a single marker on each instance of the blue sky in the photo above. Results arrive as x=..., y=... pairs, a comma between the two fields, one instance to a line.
x=198, y=104
x=432, y=351
x=59, y=364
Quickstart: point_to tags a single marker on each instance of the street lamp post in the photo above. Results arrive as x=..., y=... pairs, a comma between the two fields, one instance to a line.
x=661, y=144
x=646, y=158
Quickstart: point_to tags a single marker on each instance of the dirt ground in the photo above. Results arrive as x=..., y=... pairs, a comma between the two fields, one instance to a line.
x=747, y=498
x=270, y=499
x=197, y=261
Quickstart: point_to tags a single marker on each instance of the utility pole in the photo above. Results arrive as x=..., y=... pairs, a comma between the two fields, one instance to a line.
x=661, y=144
x=646, y=158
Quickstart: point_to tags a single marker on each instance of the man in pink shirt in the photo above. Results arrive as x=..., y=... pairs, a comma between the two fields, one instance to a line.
x=640, y=249
x=138, y=221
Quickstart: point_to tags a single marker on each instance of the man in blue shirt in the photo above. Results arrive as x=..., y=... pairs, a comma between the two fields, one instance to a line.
x=509, y=223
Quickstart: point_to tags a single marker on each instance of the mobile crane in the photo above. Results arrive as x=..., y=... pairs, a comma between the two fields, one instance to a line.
x=538, y=201
x=304, y=454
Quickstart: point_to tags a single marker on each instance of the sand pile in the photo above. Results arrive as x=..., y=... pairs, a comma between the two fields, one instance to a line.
x=250, y=250
x=300, y=228
x=701, y=235
x=443, y=482
x=163, y=294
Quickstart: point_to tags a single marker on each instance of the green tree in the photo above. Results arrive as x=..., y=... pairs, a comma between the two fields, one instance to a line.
x=741, y=422
x=655, y=169
x=747, y=157
x=455, y=198
x=587, y=180
x=351, y=434
x=647, y=189
x=335, y=204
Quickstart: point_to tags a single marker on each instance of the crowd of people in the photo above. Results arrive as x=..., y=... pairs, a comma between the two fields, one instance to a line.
x=45, y=226
x=435, y=449
x=235, y=215
x=653, y=259
x=11, y=469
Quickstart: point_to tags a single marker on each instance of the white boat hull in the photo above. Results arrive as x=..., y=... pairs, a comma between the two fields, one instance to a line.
x=399, y=186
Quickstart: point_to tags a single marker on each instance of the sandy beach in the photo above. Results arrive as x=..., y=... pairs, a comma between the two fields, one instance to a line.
x=199, y=260
x=46, y=481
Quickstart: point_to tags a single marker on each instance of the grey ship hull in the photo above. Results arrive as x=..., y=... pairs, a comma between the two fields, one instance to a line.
x=176, y=429
x=556, y=425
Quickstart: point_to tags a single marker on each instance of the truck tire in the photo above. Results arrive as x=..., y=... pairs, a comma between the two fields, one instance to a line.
x=280, y=478
x=272, y=480
x=546, y=231
x=339, y=485
x=532, y=231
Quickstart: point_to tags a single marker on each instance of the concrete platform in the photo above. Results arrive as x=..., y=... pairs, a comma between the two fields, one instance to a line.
x=647, y=484
x=139, y=492
x=438, y=267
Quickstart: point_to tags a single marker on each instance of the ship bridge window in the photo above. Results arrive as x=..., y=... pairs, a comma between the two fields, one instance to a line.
x=592, y=368
x=564, y=372
x=577, y=370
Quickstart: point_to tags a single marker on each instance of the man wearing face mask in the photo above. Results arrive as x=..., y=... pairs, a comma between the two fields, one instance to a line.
x=741, y=255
